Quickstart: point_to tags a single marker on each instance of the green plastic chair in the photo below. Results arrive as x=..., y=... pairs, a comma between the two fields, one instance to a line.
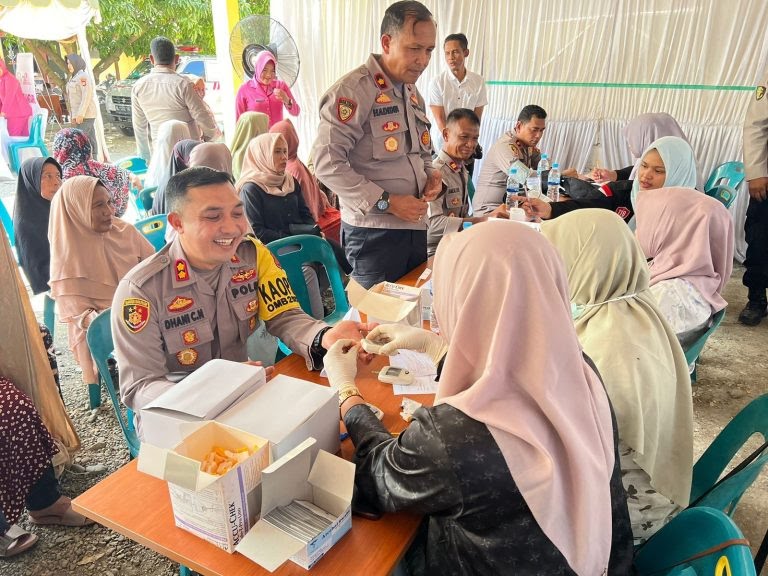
x=36, y=140
x=134, y=164
x=724, y=193
x=5, y=218
x=153, y=229
x=146, y=199
x=730, y=173
x=694, y=351
x=49, y=313
x=99, y=337
x=698, y=541
x=752, y=419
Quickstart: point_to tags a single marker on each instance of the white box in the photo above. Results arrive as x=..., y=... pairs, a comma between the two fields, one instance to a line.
x=219, y=509
x=328, y=484
x=404, y=308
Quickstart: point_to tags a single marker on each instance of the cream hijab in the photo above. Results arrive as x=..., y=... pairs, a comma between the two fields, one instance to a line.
x=516, y=365
x=259, y=167
x=169, y=133
x=633, y=347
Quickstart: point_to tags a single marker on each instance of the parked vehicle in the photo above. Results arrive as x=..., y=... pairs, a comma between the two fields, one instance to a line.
x=103, y=87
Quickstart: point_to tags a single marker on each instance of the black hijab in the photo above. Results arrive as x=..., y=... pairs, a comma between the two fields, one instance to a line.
x=30, y=223
x=179, y=161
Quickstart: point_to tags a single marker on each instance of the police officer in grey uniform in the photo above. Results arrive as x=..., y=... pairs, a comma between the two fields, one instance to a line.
x=201, y=296
x=374, y=150
x=519, y=144
x=756, y=225
x=81, y=101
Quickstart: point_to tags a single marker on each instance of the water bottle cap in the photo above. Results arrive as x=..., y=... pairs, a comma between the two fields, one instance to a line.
x=512, y=170
x=555, y=165
x=544, y=155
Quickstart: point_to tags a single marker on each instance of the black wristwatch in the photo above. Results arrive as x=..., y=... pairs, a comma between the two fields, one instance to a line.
x=382, y=204
x=316, y=350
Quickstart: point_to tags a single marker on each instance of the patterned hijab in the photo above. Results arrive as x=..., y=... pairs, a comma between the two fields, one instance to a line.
x=259, y=167
x=649, y=386
x=517, y=367
x=249, y=125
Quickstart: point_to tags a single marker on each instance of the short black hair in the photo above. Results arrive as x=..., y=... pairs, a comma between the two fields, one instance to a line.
x=531, y=111
x=462, y=114
x=460, y=38
x=180, y=183
x=163, y=50
x=399, y=13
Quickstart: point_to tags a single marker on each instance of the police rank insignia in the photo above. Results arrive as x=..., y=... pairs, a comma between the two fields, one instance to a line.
x=455, y=201
x=345, y=109
x=414, y=100
x=135, y=314
x=759, y=92
x=243, y=275
x=390, y=144
x=425, y=139
x=381, y=82
x=180, y=303
x=252, y=305
x=453, y=166
x=181, y=270
x=189, y=337
x=390, y=126
x=187, y=357
x=383, y=99
x=234, y=259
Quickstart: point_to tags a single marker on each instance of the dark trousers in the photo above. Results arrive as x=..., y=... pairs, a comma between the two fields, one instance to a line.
x=756, y=262
x=379, y=254
x=45, y=491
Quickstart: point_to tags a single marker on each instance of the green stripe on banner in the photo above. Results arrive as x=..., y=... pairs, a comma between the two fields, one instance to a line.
x=714, y=88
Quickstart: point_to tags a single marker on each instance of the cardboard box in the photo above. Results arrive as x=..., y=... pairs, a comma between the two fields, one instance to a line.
x=387, y=302
x=328, y=484
x=219, y=509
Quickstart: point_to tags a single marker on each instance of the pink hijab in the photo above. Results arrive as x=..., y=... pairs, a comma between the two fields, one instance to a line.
x=687, y=235
x=259, y=167
x=316, y=201
x=262, y=59
x=517, y=367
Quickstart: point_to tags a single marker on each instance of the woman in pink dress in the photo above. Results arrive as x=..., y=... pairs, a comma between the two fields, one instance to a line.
x=14, y=106
x=264, y=92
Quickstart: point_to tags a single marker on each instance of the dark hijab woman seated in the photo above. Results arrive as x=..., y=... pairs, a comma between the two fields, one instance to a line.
x=515, y=465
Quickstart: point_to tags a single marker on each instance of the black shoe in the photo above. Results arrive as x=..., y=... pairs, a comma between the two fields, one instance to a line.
x=753, y=312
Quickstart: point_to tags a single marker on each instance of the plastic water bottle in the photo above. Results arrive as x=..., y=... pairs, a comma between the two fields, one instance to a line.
x=513, y=188
x=543, y=166
x=433, y=325
x=533, y=185
x=553, y=183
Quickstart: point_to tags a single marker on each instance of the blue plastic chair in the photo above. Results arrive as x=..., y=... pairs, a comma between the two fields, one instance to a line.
x=730, y=173
x=134, y=164
x=698, y=541
x=153, y=229
x=36, y=140
x=49, y=313
x=694, y=351
x=146, y=198
x=752, y=419
x=5, y=218
x=724, y=193
x=99, y=337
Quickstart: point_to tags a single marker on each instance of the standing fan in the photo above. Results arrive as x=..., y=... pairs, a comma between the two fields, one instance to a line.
x=256, y=33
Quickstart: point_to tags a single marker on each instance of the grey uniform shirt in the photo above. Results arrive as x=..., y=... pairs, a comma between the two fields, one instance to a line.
x=448, y=210
x=165, y=95
x=80, y=96
x=492, y=181
x=756, y=134
x=167, y=318
x=373, y=136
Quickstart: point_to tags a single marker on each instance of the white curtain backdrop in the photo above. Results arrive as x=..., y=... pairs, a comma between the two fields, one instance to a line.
x=592, y=64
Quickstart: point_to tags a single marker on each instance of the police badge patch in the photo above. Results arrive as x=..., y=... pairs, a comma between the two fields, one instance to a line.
x=135, y=314
x=390, y=144
x=187, y=357
x=345, y=108
x=759, y=92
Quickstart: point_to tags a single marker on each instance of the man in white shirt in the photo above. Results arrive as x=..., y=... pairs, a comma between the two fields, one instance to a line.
x=456, y=87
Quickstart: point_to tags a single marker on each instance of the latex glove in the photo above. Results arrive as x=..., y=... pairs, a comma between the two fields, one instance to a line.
x=341, y=364
x=394, y=337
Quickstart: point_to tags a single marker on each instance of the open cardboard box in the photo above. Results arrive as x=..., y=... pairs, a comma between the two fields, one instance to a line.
x=219, y=509
x=327, y=483
x=404, y=307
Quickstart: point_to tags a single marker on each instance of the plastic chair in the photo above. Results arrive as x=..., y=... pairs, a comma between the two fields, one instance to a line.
x=146, y=198
x=134, y=164
x=99, y=337
x=153, y=229
x=49, y=313
x=36, y=140
x=697, y=541
x=694, y=351
x=724, y=193
x=752, y=419
x=729, y=173
x=5, y=218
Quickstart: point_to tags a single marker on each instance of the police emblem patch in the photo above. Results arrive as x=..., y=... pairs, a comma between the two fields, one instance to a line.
x=390, y=144
x=252, y=305
x=390, y=126
x=83, y=81
x=179, y=304
x=190, y=337
x=383, y=99
x=135, y=314
x=345, y=108
x=759, y=92
x=425, y=139
x=455, y=201
x=243, y=276
x=181, y=270
x=381, y=82
x=187, y=357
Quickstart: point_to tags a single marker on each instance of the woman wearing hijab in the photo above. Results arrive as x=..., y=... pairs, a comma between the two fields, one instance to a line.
x=515, y=465
x=178, y=161
x=326, y=216
x=14, y=105
x=248, y=126
x=170, y=133
x=80, y=99
x=214, y=155
x=688, y=239
x=665, y=163
x=72, y=150
x=264, y=92
x=622, y=329
x=39, y=179
x=91, y=251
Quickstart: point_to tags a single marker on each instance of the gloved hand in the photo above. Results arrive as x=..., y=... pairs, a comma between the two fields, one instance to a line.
x=341, y=364
x=394, y=337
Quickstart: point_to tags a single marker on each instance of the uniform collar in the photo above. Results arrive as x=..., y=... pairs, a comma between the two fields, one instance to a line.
x=455, y=165
x=162, y=69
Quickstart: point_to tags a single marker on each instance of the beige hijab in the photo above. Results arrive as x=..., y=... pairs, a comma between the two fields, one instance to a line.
x=214, y=155
x=23, y=359
x=259, y=167
x=248, y=126
x=633, y=347
x=515, y=364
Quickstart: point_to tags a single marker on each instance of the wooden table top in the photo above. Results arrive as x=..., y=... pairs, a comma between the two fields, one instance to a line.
x=138, y=506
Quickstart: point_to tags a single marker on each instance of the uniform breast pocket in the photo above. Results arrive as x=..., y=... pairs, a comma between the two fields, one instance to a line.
x=186, y=330
x=388, y=136
x=423, y=125
x=453, y=201
x=247, y=316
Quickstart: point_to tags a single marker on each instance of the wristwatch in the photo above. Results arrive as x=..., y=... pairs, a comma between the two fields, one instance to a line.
x=382, y=204
x=347, y=393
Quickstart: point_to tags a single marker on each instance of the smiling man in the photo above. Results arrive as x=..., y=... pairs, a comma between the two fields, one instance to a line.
x=373, y=149
x=201, y=296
